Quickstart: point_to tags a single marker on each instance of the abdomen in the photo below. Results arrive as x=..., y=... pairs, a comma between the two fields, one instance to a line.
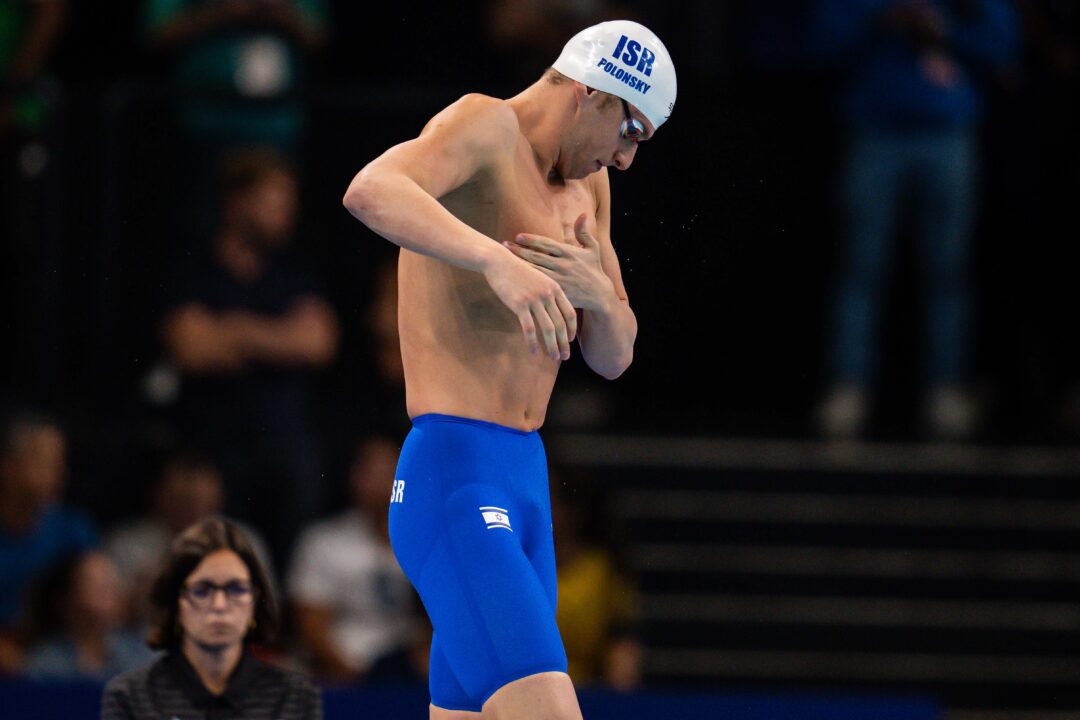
x=463, y=351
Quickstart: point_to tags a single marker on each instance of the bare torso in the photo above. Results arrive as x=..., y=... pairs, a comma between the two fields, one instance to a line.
x=462, y=349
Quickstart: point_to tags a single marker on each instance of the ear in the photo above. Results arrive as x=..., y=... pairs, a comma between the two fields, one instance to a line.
x=584, y=94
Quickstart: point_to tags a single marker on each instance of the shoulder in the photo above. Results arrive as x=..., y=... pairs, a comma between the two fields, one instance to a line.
x=76, y=526
x=288, y=684
x=137, y=536
x=128, y=694
x=323, y=531
x=483, y=109
x=52, y=658
x=599, y=185
x=333, y=538
x=133, y=681
x=478, y=120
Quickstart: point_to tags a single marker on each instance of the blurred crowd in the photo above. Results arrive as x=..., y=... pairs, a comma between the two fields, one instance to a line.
x=77, y=603
x=262, y=379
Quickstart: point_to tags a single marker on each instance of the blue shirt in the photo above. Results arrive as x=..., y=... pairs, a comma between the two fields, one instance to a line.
x=58, y=658
x=60, y=531
x=887, y=85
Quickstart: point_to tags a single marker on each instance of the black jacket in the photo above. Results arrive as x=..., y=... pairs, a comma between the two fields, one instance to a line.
x=169, y=689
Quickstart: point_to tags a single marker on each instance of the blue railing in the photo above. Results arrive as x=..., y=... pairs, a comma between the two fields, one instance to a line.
x=30, y=700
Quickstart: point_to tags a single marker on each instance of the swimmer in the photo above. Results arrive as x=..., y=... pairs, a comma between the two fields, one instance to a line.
x=502, y=212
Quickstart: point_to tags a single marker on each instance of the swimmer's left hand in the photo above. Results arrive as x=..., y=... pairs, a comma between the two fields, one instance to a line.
x=574, y=265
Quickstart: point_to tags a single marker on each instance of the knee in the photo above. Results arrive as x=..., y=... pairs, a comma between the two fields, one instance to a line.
x=547, y=696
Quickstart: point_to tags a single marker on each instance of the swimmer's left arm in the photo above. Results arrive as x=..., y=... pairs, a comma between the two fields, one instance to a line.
x=607, y=336
x=589, y=274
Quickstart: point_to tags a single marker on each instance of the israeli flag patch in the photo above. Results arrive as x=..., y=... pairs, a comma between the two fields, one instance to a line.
x=496, y=518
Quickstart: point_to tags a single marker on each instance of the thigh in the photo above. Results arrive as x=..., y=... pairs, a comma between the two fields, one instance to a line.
x=444, y=686
x=871, y=194
x=946, y=198
x=491, y=611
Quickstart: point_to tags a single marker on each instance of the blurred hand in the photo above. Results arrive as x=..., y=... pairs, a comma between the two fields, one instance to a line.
x=623, y=665
x=939, y=69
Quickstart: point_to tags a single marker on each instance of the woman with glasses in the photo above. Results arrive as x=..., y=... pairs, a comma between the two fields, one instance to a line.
x=211, y=600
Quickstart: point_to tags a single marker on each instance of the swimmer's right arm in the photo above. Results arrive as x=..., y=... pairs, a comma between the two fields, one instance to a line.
x=396, y=196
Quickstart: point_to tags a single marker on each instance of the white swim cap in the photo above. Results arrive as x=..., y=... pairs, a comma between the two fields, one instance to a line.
x=625, y=59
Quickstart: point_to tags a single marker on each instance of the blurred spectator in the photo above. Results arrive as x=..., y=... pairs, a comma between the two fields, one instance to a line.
x=73, y=622
x=248, y=326
x=597, y=605
x=189, y=489
x=916, y=71
x=35, y=528
x=527, y=34
x=29, y=209
x=211, y=600
x=29, y=30
x=238, y=68
x=355, y=610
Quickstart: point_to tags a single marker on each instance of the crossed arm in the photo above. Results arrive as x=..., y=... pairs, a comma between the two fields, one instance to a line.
x=200, y=340
x=587, y=269
x=396, y=196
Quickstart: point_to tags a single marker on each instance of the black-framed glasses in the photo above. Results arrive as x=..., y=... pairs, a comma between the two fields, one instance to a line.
x=631, y=129
x=201, y=594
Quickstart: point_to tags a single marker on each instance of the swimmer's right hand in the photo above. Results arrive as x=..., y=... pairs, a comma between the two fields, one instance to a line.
x=539, y=303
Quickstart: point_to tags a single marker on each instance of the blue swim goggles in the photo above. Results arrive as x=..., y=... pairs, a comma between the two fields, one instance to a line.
x=632, y=129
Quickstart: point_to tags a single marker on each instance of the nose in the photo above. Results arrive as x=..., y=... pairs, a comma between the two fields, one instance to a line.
x=624, y=158
x=218, y=601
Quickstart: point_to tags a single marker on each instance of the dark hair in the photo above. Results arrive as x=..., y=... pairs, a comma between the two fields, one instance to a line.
x=189, y=549
x=554, y=77
x=244, y=168
x=188, y=460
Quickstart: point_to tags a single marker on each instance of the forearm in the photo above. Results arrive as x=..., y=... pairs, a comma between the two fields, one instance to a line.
x=197, y=344
x=396, y=208
x=306, y=336
x=192, y=23
x=606, y=337
x=290, y=19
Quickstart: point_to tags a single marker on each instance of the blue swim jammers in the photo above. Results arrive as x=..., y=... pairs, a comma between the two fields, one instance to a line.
x=470, y=524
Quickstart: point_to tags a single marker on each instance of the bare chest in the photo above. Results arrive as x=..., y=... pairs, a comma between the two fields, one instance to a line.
x=515, y=198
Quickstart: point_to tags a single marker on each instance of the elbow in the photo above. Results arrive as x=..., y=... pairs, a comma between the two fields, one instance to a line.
x=620, y=368
x=360, y=197
x=616, y=366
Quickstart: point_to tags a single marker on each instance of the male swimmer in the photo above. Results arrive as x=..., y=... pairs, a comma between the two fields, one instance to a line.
x=502, y=212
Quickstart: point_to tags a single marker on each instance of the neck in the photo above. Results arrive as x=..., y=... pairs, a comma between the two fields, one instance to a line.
x=91, y=643
x=19, y=513
x=544, y=111
x=238, y=255
x=213, y=664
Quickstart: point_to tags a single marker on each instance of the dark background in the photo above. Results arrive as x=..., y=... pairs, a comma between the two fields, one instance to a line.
x=725, y=226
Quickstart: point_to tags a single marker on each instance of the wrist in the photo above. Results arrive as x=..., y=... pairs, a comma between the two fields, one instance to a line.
x=607, y=301
x=490, y=255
